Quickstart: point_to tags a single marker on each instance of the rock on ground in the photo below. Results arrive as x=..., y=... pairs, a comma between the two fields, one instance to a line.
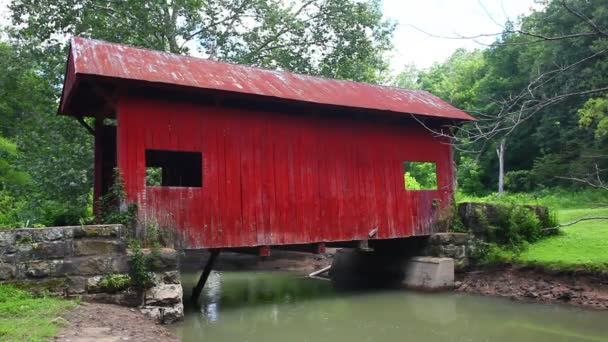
x=109, y=323
x=537, y=285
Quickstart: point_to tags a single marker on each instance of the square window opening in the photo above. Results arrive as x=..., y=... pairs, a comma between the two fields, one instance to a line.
x=420, y=175
x=174, y=168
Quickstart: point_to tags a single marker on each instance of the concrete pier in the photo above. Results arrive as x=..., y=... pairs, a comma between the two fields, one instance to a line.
x=429, y=273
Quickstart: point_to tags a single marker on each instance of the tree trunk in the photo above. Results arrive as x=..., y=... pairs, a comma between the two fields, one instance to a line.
x=500, y=152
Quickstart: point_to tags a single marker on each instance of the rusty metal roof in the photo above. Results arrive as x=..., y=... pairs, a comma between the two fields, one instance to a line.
x=98, y=59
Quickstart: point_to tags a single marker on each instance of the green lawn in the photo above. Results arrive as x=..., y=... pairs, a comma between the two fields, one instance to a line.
x=24, y=317
x=583, y=245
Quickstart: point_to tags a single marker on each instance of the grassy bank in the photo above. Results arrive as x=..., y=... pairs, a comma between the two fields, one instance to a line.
x=583, y=245
x=24, y=317
x=580, y=246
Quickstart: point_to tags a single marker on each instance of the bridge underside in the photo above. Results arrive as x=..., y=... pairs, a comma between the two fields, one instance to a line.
x=391, y=251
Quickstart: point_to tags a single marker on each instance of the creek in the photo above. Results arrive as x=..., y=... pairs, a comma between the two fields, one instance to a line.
x=279, y=306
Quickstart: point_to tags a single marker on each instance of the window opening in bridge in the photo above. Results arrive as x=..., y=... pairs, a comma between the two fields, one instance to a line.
x=174, y=168
x=420, y=175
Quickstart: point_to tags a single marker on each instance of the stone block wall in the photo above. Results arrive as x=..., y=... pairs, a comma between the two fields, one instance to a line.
x=457, y=246
x=477, y=219
x=71, y=261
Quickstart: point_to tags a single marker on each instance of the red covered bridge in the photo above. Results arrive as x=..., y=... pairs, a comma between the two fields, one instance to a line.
x=230, y=156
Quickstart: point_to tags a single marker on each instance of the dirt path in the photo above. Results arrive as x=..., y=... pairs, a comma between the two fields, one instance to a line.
x=536, y=285
x=110, y=323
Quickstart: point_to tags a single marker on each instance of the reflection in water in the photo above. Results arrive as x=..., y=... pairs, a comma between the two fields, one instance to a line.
x=267, y=306
x=213, y=295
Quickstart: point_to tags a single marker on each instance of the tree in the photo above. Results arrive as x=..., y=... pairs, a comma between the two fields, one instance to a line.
x=536, y=76
x=10, y=178
x=457, y=79
x=334, y=38
x=408, y=78
x=594, y=114
x=54, y=151
x=9, y=175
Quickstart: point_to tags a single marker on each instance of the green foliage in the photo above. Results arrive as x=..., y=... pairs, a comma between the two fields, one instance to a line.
x=10, y=179
x=155, y=236
x=410, y=182
x=555, y=199
x=522, y=77
x=115, y=282
x=525, y=224
x=10, y=209
x=518, y=181
x=141, y=277
x=457, y=79
x=594, y=114
x=407, y=78
x=24, y=317
x=509, y=231
x=336, y=38
x=514, y=226
x=469, y=175
x=154, y=176
x=420, y=175
x=581, y=246
x=113, y=208
x=490, y=253
x=49, y=157
x=9, y=176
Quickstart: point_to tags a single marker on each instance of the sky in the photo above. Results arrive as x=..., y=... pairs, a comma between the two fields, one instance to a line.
x=445, y=18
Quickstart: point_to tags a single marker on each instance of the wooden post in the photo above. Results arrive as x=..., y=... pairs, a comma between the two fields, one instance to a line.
x=196, y=291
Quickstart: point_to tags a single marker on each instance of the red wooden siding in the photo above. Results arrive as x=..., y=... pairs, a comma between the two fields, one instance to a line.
x=271, y=179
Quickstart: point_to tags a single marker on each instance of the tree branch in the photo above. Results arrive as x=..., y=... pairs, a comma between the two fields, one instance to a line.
x=230, y=18
x=588, y=218
x=585, y=19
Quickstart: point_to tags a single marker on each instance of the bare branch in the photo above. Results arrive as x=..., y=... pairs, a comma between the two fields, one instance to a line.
x=585, y=19
x=539, y=37
x=231, y=18
x=266, y=45
x=593, y=179
x=111, y=11
x=587, y=218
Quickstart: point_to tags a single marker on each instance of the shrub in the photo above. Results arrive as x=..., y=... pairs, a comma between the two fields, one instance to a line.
x=525, y=224
x=511, y=225
x=469, y=176
x=141, y=277
x=554, y=198
x=113, y=207
x=154, y=236
x=115, y=282
x=489, y=253
x=509, y=229
x=10, y=207
x=519, y=181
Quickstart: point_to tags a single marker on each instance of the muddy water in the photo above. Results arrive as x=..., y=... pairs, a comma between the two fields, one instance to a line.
x=267, y=306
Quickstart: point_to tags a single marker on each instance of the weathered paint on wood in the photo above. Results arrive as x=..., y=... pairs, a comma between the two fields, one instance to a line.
x=275, y=178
